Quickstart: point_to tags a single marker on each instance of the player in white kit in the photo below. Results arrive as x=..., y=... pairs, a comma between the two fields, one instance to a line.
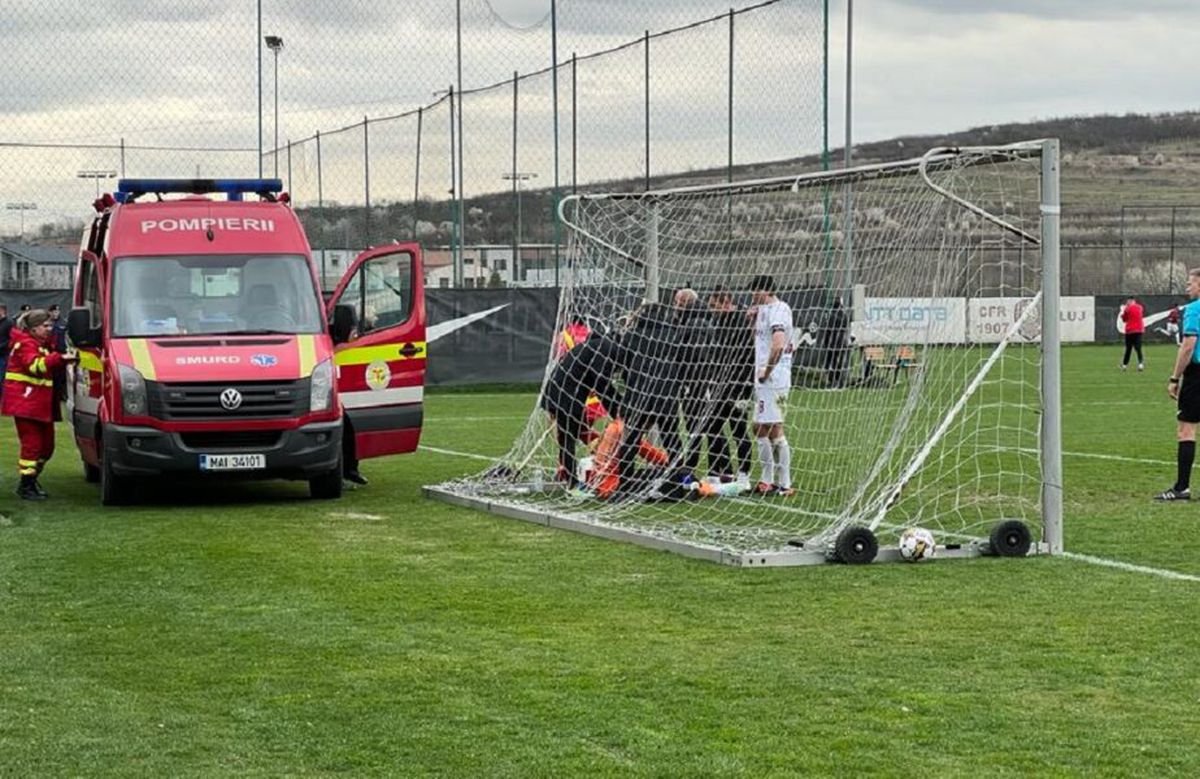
x=772, y=382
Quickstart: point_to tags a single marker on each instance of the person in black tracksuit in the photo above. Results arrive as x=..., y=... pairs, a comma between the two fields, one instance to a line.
x=834, y=339
x=585, y=370
x=731, y=350
x=652, y=368
x=695, y=367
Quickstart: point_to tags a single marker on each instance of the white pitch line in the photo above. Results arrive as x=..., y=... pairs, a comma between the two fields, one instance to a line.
x=353, y=515
x=1106, y=563
x=1114, y=457
x=453, y=453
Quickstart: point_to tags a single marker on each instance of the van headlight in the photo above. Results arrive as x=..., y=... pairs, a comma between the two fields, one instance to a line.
x=322, y=387
x=133, y=391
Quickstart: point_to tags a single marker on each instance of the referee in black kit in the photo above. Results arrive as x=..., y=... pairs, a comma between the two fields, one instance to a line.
x=1184, y=387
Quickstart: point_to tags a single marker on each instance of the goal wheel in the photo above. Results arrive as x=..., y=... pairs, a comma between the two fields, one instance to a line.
x=1011, y=539
x=856, y=545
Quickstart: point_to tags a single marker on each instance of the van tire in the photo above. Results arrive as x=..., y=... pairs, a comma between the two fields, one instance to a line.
x=114, y=489
x=91, y=474
x=327, y=486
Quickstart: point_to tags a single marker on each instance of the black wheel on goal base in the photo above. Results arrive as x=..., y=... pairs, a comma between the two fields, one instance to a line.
x=1011, y=538
x=856, y=545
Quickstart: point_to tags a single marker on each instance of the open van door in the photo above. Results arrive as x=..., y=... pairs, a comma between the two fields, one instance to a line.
x=381, y=367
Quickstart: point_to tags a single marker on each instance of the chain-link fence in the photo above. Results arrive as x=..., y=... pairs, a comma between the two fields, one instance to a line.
x=455, y=123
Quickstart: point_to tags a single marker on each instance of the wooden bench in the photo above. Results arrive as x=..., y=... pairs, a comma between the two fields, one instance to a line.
x=876, y=358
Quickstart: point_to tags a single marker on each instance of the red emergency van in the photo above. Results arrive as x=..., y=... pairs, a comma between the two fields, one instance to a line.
x=206, y=346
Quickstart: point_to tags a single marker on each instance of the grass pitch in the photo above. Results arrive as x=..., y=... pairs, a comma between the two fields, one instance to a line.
x=243, y=629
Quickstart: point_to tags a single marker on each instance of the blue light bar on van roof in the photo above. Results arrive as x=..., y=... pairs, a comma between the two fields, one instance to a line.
x=128, y=189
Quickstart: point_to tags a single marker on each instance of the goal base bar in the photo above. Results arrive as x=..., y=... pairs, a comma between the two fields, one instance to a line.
x=770, y=559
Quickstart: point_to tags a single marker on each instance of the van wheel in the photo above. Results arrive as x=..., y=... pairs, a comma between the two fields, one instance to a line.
x=91, y=474
x=114, y=489
x=327, y=486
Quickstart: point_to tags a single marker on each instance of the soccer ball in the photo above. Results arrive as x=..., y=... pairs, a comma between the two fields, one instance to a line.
x=916, y=544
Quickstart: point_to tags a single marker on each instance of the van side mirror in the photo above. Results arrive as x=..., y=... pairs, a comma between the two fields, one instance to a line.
x=79, y=328
x=341, y=325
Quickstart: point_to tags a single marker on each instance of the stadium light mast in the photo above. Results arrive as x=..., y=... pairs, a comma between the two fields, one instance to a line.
x=518, y=179
x=97, y=175
x=22, y=207
x=275, y=44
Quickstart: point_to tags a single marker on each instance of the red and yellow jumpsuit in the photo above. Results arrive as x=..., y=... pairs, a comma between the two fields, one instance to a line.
x=29, y=398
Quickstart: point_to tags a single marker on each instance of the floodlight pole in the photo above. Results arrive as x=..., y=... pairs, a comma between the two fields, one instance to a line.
x=275, y=44
x=97, y=175
x=22, y=208
x=848, y=236
x=258, y=46
x=1052, y=481
x=518, y=178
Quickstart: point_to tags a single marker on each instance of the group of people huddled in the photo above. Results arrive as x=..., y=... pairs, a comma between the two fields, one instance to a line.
x=35, y=353
x=689, y=371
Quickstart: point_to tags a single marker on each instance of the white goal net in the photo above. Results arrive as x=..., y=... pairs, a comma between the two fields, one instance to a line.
x=745, y=372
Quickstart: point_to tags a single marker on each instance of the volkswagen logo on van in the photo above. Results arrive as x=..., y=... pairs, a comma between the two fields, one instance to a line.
x=231, y=399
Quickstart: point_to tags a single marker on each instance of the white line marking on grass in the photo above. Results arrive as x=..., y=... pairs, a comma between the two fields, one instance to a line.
x=353, y=515
x=444, y=420
x=453, y=453
x=1083, y=558
x=1114, y=457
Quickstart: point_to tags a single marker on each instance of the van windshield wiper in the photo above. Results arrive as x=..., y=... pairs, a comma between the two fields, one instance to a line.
x=252, y=331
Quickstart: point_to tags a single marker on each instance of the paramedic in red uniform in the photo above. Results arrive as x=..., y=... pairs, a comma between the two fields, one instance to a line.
x=29, y=396
x=1135, y=325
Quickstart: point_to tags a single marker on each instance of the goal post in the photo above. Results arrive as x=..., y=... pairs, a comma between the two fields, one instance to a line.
x=916, y=381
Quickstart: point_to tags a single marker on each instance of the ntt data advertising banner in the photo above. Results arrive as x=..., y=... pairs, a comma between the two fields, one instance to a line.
x=988, y=319
x=911, y=321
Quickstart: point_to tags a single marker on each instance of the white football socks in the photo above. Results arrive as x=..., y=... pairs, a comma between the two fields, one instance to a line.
x=783, y=463
x=766, y=458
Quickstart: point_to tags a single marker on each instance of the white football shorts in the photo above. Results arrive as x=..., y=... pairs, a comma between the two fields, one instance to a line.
x=770, y=402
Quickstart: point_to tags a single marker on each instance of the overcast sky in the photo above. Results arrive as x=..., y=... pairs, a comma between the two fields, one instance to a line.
x=182, y=73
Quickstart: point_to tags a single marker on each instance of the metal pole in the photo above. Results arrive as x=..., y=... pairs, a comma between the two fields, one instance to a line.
x=825, y=163
x=461, y=181
x=729, y=155
x=454, y=252
x=848, y=206
x=1052, y=483
x=258, y=43
x=417, y=173
x=1121, y=266
x=366, y=183
x=275, y=144
x=647, y=107
x=321, y=209
x=554, y=89
x=515, y=182
x=574, y=125
x=123, y=157
x=289, y=165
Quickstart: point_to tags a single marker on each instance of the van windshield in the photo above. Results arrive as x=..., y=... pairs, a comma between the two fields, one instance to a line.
x=228, y=294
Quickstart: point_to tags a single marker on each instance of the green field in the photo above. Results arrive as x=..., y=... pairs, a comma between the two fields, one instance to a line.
x=245, y=630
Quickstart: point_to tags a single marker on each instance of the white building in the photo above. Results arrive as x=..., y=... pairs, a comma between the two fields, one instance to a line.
x=36, y=266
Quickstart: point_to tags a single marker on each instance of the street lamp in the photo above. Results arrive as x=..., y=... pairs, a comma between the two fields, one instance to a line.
x=518, y=179
x=97, y=175
x=22, y=207
x=275, y=44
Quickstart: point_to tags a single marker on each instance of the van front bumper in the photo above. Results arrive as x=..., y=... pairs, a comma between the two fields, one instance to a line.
x=299, y=453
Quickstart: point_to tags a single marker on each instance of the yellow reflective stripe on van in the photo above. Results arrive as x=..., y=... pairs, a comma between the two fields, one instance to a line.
x=141, y=358
x=364, y=355
x=9, y=375
x=307, y=346
x=91, y=362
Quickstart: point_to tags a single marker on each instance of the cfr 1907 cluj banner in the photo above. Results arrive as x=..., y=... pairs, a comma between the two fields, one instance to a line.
x=962, y=320
x=988, y=319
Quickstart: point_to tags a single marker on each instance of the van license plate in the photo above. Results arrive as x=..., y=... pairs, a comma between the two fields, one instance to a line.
x=232, y=462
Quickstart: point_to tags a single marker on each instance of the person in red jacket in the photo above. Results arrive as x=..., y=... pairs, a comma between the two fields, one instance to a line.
x=1135, y=325
x=29, y=396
